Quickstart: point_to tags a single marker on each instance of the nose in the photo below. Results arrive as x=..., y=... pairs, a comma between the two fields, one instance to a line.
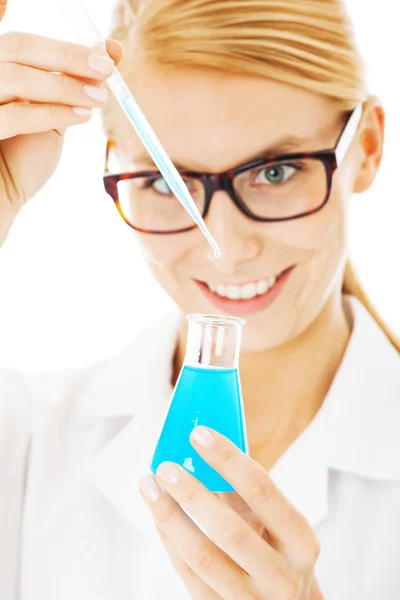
x=234, y=233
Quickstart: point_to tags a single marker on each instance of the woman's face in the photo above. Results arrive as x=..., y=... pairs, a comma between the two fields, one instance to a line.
x=210, y=122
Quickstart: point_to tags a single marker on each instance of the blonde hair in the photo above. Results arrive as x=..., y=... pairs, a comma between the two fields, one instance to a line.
x=305, y=43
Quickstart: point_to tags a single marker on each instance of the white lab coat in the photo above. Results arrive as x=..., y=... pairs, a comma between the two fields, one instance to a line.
x=74, y=444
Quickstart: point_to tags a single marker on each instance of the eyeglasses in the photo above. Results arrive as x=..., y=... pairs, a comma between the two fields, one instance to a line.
x=281, y=188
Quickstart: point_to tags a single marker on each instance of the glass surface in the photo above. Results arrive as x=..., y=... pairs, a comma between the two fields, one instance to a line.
x=274, y=191
x=149, y=204
x=207, y=393
x=283, y=189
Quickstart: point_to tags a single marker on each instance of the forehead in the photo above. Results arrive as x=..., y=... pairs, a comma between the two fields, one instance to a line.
x=209, y=120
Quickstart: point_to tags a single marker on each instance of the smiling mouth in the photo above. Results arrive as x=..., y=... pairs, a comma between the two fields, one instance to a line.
x=247, y=291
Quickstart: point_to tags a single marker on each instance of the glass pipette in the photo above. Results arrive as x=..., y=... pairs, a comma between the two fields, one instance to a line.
x=153, y=144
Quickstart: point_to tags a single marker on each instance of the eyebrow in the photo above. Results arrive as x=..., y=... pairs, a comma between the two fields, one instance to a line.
x=283, y=146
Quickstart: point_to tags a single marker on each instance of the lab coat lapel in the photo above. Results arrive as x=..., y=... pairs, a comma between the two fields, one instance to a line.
x=363, y=404
x=355, y=430
x=77, y=541
x=118, y=469
x=302, y=473
x=139, y=384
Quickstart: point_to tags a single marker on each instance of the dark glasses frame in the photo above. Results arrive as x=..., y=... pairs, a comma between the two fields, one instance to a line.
x=331, y=160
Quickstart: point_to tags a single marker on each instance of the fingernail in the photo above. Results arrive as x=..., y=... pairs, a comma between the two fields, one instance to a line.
x=150, y=488
x=202, y=436
x=81, y=111
x=101, y=64
x=168, y=473
x=96, y=93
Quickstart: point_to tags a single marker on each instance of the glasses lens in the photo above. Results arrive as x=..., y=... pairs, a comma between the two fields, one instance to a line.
x=283, y=189
x=148, y=204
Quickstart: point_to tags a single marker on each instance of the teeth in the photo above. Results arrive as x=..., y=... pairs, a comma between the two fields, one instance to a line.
x=249, y=291
x=262, y=287
x=243, y=292
x=233, y=292
x=222, y=291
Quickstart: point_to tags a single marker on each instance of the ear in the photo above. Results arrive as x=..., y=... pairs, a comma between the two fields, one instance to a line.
x=371, y=137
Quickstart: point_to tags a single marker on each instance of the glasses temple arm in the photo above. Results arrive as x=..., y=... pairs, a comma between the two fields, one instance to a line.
x=348, y=134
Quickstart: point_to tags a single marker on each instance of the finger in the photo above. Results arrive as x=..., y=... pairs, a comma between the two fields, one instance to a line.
x=114, y=50
x=241, y=508
x=289, y=530
x=197, y=588
x=20, y=118
x=3, y=8
x=225, y=527
x=21, y=82
x=205, y=559
x=55, y=55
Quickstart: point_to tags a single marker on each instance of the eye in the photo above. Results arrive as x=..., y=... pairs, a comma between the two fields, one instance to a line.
x=160, y=186
x=274, y=174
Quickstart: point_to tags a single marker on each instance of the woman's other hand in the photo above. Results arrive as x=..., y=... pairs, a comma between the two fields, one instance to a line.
x=261, y=547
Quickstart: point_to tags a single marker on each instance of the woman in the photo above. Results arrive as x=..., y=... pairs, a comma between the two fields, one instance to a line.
x=262, y=105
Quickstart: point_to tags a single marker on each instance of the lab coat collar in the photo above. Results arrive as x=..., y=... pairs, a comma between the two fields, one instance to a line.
x=363, y=404
x=356, y=430
x=135, y=381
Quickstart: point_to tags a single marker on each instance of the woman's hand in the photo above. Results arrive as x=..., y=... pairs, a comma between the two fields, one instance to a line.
x=267, y=554
x=46, y=85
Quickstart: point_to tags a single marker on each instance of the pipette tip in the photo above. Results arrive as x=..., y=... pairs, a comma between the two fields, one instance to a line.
x=208, y=236
x=212, y=242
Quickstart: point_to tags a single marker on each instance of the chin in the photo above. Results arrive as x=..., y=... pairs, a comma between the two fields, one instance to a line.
x=258, y=340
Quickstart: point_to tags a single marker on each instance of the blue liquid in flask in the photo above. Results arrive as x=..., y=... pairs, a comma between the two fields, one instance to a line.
x=209, y=396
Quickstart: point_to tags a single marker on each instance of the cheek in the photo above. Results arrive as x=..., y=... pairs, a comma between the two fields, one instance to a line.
x=317, y=232
x=159, y=251
x=324, y=234
x=323, y=242
x=164, y=256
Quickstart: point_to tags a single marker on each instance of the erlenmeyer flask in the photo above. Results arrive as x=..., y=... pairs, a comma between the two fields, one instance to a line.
x=207, y=393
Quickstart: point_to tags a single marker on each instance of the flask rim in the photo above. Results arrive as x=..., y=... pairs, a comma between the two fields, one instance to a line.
x=221, y=320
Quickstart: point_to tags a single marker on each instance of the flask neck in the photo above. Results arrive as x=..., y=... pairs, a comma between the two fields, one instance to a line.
x=213, y=342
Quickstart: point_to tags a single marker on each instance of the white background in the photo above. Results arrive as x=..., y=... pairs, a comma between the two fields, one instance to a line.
x=73, y=288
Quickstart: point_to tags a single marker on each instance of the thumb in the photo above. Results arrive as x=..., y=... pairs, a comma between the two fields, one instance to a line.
x=112, y=47
x=3, y=8
x=114, y=50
